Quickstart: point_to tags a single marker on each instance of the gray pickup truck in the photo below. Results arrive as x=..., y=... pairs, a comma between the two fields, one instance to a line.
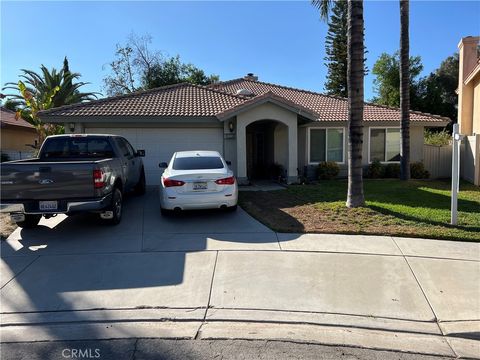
x=72, y=174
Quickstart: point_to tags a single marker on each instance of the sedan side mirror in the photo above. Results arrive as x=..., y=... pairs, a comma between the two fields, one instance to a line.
x=163, y=165
x=228, y=162
x=140, y=153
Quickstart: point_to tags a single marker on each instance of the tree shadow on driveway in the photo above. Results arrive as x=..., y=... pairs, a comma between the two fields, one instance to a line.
x=77, y=265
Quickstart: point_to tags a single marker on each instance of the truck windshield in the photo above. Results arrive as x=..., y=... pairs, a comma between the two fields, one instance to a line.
x=71, y=147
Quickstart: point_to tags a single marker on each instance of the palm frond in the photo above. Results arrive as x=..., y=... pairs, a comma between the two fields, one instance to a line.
x=323, y=7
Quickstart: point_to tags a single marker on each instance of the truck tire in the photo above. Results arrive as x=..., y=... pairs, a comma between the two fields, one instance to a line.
x=31, y=221
x=116, y=207
x=141, y=185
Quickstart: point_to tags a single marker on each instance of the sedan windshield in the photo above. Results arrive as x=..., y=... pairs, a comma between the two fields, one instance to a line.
x=197, y=163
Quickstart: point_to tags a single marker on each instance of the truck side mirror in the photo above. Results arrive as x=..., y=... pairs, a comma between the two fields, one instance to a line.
x=141, y=153
x=163, y=165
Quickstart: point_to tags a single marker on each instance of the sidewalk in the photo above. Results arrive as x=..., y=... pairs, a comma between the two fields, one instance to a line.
x=410, y=295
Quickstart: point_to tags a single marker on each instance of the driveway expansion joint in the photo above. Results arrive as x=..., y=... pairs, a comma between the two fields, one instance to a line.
x=21, y=271
x=426, y=298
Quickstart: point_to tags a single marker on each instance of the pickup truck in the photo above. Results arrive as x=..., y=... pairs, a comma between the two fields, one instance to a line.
x=72, y=174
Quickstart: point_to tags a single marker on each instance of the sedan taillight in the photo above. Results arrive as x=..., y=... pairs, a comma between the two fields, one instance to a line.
x=226, y=181
x=170, y=182
x=98, y=179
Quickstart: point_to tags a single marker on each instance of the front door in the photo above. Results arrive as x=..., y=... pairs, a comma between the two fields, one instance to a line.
x=257, y=162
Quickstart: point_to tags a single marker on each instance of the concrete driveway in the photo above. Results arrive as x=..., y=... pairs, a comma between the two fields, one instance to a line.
x=213, y=275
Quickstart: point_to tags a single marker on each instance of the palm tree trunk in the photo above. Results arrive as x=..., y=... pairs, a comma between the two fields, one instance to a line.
x=404, y=91
x=356, y=48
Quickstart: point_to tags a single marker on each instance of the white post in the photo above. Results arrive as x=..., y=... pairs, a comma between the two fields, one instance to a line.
x=457, y=140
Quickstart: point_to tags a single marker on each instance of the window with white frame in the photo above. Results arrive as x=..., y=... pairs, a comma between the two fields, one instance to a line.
x=326, y=145
x=385, y=144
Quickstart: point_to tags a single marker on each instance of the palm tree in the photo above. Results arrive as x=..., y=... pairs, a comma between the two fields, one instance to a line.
x=355, y=55
x=40, y=84
x=404, y=91
x=43, y=91
x=355, y=197
x=323, y=7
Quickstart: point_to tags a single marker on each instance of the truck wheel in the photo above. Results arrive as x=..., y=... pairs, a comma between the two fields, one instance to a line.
x=116, y=207
x=141, y=186
x=31, y=220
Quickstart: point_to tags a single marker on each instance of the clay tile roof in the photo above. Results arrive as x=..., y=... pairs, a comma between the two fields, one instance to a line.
x=328, y=108
x=173, y=100
x=7, y=118
x=269, y=96
x=221, y=99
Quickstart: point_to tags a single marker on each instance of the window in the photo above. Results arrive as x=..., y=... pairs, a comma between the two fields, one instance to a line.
x=125, y=147
x=197, y=163
x=326, y=145
x=385, y=144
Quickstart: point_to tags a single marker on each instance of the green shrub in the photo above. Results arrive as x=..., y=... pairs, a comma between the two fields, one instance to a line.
x=417, y=171
x=392, y=171
x=375, y=170
x=327, y=170
x=437, y=138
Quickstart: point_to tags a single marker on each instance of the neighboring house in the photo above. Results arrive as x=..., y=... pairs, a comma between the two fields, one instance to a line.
x=17, y=136
x=469, y=107
x=252, y=123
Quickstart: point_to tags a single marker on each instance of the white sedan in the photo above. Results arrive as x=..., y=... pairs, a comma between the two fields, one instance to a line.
x=197, y=180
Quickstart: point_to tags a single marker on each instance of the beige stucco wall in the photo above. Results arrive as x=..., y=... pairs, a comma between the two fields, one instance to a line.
x=15, y=139
x=476, y=107
x=267, y=111
x=468, y=98
x=280, y=145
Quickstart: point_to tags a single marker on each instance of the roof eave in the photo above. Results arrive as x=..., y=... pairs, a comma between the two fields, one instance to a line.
x=62, y=119
x=473, y=74
x=266, y=99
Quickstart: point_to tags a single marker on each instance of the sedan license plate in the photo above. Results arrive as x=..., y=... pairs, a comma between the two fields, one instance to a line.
x=199, y=186
x=48, y=205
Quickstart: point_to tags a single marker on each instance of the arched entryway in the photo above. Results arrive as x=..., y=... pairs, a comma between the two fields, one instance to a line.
x=267, y=150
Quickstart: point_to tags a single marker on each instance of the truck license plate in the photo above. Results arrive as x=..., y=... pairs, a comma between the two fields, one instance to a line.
x=48, y=205
x=199, y=186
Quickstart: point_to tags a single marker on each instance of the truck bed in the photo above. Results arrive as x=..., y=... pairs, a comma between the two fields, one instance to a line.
x=33, y=179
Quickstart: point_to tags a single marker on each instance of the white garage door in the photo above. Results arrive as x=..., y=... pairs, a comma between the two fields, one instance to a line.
x=160, y=143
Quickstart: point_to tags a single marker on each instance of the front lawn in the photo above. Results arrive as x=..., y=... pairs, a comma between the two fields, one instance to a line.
x=413, y=208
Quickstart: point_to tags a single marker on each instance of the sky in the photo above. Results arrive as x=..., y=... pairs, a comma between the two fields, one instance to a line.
x=281, y=42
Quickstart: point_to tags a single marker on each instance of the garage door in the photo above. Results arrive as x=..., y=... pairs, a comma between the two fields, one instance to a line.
x=160, y=143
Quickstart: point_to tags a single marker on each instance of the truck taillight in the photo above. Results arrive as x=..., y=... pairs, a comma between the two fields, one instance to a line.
x=170, y=182
x=98, y=179
x=226, y=181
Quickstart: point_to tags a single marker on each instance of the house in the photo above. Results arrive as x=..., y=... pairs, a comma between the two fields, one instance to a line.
x=254, y=124
x=18, y=137
x=469, y=107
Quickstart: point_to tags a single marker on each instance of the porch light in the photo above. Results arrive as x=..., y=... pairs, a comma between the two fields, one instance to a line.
x=71, y=126
x=230, y=126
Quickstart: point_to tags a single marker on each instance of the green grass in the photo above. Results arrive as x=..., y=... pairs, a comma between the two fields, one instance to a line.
x=393, y=207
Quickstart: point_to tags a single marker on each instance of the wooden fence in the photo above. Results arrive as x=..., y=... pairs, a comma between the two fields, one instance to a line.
x=438, y=160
